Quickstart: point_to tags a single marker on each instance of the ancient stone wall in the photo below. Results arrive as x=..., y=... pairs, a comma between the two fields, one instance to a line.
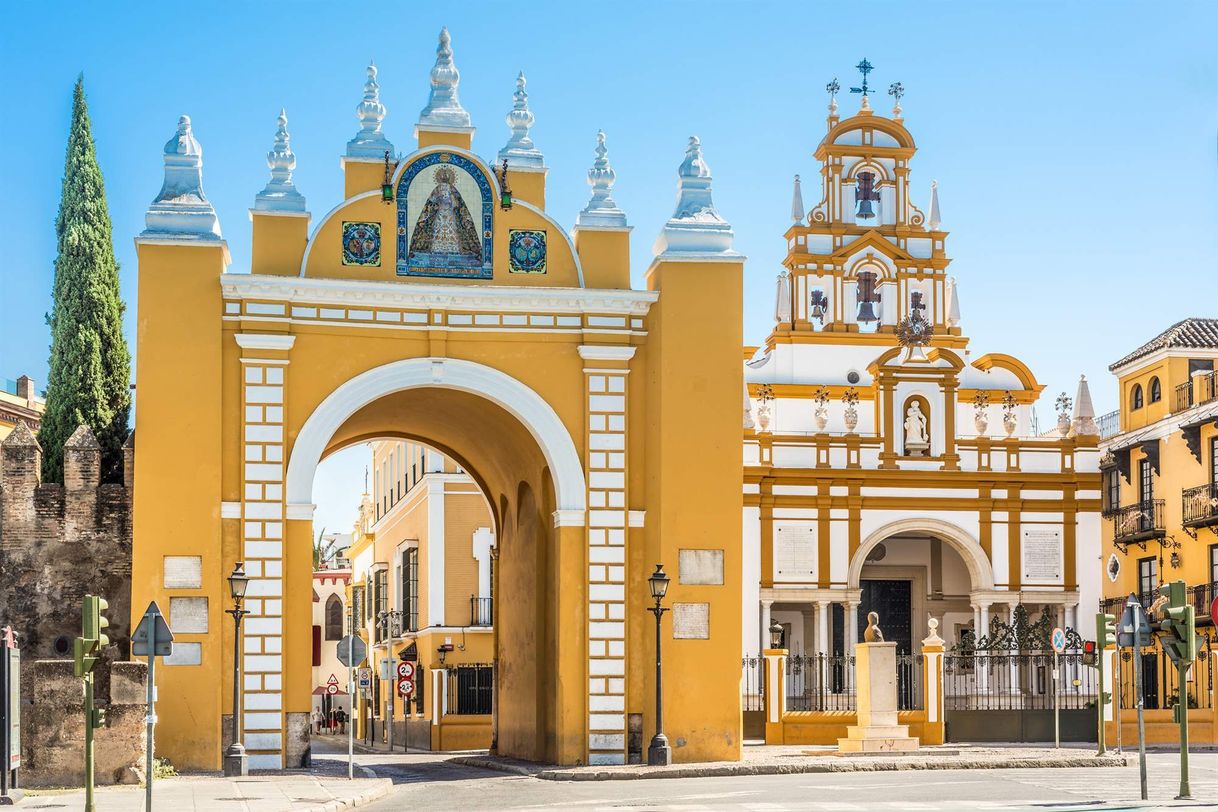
x=59, y=542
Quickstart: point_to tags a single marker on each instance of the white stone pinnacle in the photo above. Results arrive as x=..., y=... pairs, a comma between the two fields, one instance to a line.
x=370, y=141
x=443, y=108
x=181, y=209
x=797, y=203
x=953, y=303
x=933, y=221
x=280, y=193
x=520, y=152
x=1084, y=412
x=602, y=210
x=695, y=227
x=782, y=299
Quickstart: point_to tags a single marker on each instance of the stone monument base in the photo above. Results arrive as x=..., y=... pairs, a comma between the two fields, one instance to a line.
x=877, y=739
x=877, y=730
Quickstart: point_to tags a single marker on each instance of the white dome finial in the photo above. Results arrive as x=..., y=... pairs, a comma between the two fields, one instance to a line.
x=520, y=152
x=370, y=141
x=280, y=193
x=602, y=210
x=797, y=203
x=443, y=107
x=695, y=226
x=181, y=208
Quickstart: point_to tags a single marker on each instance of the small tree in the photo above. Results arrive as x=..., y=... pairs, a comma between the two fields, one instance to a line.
x=90, y=367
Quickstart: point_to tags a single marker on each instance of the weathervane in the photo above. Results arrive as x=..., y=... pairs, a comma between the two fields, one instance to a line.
x=832, y=88
x=864, y=68
x=896, y=90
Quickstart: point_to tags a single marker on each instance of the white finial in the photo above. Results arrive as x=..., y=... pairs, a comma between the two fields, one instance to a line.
x=933, y=221
x=520, y=152
x=797, y=203
x=181, y=209
x=280, y=193
x=602, y=210
x=953, y=303
x=443, y=108
x=1084, y=412
x=695, y=226
x=782, y=300
x=370, y=141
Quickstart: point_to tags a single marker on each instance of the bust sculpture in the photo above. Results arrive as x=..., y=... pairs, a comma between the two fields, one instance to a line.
x=873, y=633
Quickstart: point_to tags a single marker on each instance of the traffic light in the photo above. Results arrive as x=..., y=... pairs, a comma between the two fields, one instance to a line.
x=1105, y=630
x=1179, y=638
x=1089, y=657
x=92, y=638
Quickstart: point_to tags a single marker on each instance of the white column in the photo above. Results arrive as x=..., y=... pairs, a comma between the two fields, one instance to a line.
x=822, y=627
x=1072, y=616
x=852, y=627
x=1013, y=684
x=983, y=672
x=765, y=625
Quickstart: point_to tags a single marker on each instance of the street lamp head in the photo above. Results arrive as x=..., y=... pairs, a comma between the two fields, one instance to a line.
x=776, y=635
x=238, y=582
x=658, y=583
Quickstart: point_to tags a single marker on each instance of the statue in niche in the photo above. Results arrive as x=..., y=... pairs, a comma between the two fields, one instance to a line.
x=916, y=439
x=873, y=633
x=445, y=225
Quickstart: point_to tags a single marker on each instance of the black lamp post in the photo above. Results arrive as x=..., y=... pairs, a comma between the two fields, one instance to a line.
x=236, y=762
x=776, y=633
x=659, y=753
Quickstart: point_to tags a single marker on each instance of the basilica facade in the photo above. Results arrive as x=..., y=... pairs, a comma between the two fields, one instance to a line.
x=888, y=466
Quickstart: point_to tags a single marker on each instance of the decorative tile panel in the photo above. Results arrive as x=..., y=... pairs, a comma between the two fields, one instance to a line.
x=526, y=251
x=361, y=244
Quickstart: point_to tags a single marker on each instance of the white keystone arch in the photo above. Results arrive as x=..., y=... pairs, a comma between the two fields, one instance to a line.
x=445, y=373
x=980, y=571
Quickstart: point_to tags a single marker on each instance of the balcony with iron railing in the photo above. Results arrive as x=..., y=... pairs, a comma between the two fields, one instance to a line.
x=1199, y=506
x=1136, y=524
x=1200, y=389
x=481, y=611
x=1109, y=424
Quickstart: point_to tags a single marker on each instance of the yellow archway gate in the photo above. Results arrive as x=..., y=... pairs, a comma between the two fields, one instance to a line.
x=601, y=422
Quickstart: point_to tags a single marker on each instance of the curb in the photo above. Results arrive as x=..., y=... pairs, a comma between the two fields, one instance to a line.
x=819, y=766
x=375, y=793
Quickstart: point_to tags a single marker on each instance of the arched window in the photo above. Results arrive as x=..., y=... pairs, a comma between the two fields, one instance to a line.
x=1156, y=391
x=334, y=618
x=1137, y=396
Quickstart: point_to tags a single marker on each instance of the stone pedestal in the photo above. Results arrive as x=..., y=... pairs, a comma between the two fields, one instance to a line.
x=877, y=731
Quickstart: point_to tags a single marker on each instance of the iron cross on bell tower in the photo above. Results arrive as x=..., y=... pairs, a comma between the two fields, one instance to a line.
x=864, y=68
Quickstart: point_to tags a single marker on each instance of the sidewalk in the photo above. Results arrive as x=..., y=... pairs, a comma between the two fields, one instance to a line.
x=261, y=792
x=774, y=760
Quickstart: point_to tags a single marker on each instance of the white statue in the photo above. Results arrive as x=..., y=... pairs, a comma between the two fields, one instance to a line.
x=915, y=427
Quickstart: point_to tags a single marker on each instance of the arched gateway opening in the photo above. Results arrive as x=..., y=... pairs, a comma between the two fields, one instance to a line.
x=510, y=442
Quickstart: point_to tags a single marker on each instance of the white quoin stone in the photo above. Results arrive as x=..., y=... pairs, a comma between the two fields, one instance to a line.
x=280, y=193
x=520, y=152
x=181, y=209
x=602, y=210
x=444, y=110
x=695, y=227
x=370, y=141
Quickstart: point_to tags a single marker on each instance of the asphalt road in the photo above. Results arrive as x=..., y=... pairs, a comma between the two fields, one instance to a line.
x=430, y=783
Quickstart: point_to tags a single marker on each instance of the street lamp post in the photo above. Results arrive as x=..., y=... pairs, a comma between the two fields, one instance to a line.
x=236, y=762
x=659, y=753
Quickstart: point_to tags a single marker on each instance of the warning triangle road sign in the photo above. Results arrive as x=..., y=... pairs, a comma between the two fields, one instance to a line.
x=332, y=681
x=152, y=627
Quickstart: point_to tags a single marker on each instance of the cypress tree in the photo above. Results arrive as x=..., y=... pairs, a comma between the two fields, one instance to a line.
x=90, y=368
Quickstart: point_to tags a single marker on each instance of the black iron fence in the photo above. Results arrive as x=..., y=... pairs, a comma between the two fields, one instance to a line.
x=752, y=684
x=1161, y=680
x=909, y=682
x=1016, y=681
x=481, y=611
x=1138, y=522
x=470, y=688
x=820, y=682
x=1199, y=506
x=1201, y=389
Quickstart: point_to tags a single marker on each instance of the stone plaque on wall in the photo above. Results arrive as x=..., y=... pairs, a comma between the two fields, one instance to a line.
x=691, y=621
x=188, y=615
x=185, y=654
x=183, y=571
x=795, y=551
x=1041, y=551
x=700, y=567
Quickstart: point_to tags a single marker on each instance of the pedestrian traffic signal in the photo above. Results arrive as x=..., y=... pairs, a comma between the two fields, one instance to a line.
x=1089, y=657
x=1105, y=630
x=92, y=638
x=1179, y=638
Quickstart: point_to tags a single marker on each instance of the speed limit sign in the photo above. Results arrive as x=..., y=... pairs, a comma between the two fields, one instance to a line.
x=405, y=670
x=406, y=687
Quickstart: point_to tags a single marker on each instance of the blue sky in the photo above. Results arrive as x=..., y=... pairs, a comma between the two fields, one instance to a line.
x=1074, y=144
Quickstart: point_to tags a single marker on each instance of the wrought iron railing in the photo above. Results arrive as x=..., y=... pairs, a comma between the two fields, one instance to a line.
x=909, y=682
x=1109, y=424
x=1016, y=681
x=752, y=684
x=1203, y=597
x=820, y=682
x=481, y=611
x=1199, y=505
x=1200, y=389
x=1138, y=522
x=1160, y=679
x=470, y=689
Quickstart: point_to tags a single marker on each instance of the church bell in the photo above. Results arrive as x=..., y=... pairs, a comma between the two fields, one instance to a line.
x=867, y=297
x=820, y=305
x=864, y=195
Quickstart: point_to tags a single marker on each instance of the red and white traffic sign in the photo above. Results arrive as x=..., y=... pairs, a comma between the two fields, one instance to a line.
x=405, y=670
x=1214, y=610
x=1058, y=639
x=332, y=689
x=406, y=687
